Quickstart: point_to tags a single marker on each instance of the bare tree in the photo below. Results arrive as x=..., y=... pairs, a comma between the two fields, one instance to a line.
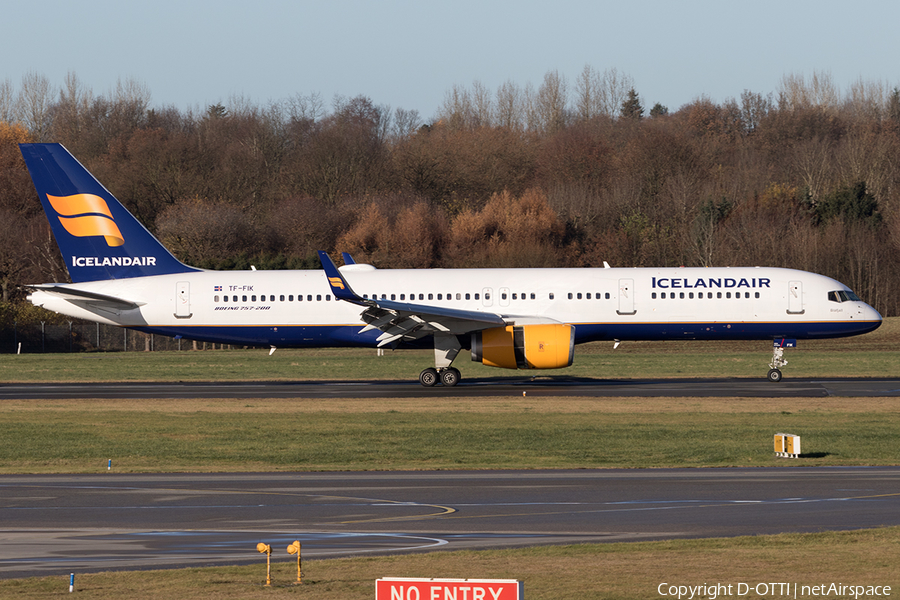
x=867, y=99
x=820, y=91
x=588, y=94
x=613, y=91
x=34, y=104
x=754, y=108
x=7, y=101
x=456, y=110
x=551, y=102
x=71, y=112
x=482, y=107
x=306, y=108
x=130, y=101
x=406, y=123
x=510, y=107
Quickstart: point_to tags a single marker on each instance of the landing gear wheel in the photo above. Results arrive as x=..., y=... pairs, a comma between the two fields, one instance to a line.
x=428, y=377
x=774, y=375
x=450, y=377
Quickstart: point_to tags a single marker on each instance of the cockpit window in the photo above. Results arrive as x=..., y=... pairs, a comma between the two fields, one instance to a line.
x=842, y=296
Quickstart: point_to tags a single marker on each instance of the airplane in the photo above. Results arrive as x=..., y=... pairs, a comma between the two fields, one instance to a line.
x=507, y=318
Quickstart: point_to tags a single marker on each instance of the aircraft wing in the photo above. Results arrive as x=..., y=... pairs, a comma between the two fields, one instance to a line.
x=86, y=298
x=401, y=321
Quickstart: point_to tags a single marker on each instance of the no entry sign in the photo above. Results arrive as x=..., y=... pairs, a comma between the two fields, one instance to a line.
x=403, y=588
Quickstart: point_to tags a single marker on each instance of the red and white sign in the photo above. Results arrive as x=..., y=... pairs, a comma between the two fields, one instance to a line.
x=402, y=588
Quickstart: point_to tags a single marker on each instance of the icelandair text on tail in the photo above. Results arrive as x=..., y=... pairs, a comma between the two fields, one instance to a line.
x=711, y=591
x=113, y=261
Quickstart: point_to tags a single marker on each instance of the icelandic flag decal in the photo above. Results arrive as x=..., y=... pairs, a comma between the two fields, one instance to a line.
x=218, y=288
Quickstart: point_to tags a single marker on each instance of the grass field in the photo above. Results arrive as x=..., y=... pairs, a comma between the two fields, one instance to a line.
x=56, y=436
x=873, y=355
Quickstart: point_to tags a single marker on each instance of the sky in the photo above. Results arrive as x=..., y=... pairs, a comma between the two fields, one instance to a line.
x=409, y=54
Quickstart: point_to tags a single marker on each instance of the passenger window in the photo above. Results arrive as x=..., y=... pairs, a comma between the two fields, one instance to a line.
x=234, y=298
x=215, y=299
x=551, y=295
x=291, y=298
x=681, y=295
x=757, y=294
x=532, y=295
x=393, y=296
x=607, y=295
x=440, y=296
x=514, y=296
x=691, y=296
x=579, y=295
x=487, y=296
x=431, y=296
x=309, y=297
x=282, y=297
x=718, y=295
x=570, y=295
x=653, y=296
x=318, y=297
x=476, y=296
x=328, y=297
x=244, y=298
x=588, y=296
x=252, y=298
x=467, y=296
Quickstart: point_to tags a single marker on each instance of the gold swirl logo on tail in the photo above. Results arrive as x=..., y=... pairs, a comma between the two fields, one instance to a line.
x=336, y=282
x=86, y=215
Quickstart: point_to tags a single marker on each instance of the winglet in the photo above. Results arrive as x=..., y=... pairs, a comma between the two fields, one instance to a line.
x=339, y=286
x=348, y=260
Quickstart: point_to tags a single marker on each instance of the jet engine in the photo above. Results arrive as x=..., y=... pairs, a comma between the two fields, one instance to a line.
x=525, y=346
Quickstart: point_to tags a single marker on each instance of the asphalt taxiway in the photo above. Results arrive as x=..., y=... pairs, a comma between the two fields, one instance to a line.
x=57, y=524
x=536, y=387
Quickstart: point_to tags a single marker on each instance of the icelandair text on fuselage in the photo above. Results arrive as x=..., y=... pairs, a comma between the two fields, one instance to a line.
x=113, y=261
x=783, y=589
x=709, y=282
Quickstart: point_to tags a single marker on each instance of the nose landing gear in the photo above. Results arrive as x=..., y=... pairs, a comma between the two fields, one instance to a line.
x=778, y=359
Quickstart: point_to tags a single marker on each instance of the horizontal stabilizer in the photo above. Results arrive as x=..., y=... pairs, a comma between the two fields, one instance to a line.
x=93, y=298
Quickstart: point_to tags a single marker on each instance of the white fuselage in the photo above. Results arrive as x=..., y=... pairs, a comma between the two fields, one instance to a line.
x=297, y=308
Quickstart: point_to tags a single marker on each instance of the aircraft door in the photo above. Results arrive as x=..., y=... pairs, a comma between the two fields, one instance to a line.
x=795, y=298
x=486, y=296
x=504, y=296
x=626, y=297
x=183, y=300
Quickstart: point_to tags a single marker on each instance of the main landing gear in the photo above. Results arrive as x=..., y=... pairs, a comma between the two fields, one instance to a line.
x=448, y=376
x=446, y=347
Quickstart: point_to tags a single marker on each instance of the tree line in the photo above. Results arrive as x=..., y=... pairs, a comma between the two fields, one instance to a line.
x=572, y=172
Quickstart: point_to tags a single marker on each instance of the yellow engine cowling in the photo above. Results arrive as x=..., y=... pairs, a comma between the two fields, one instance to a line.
x=525, y=346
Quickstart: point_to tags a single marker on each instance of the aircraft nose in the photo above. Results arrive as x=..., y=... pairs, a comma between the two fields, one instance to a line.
x=870, y=315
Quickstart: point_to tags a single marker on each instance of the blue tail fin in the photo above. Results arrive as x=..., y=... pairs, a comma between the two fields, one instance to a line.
x=99, y=239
